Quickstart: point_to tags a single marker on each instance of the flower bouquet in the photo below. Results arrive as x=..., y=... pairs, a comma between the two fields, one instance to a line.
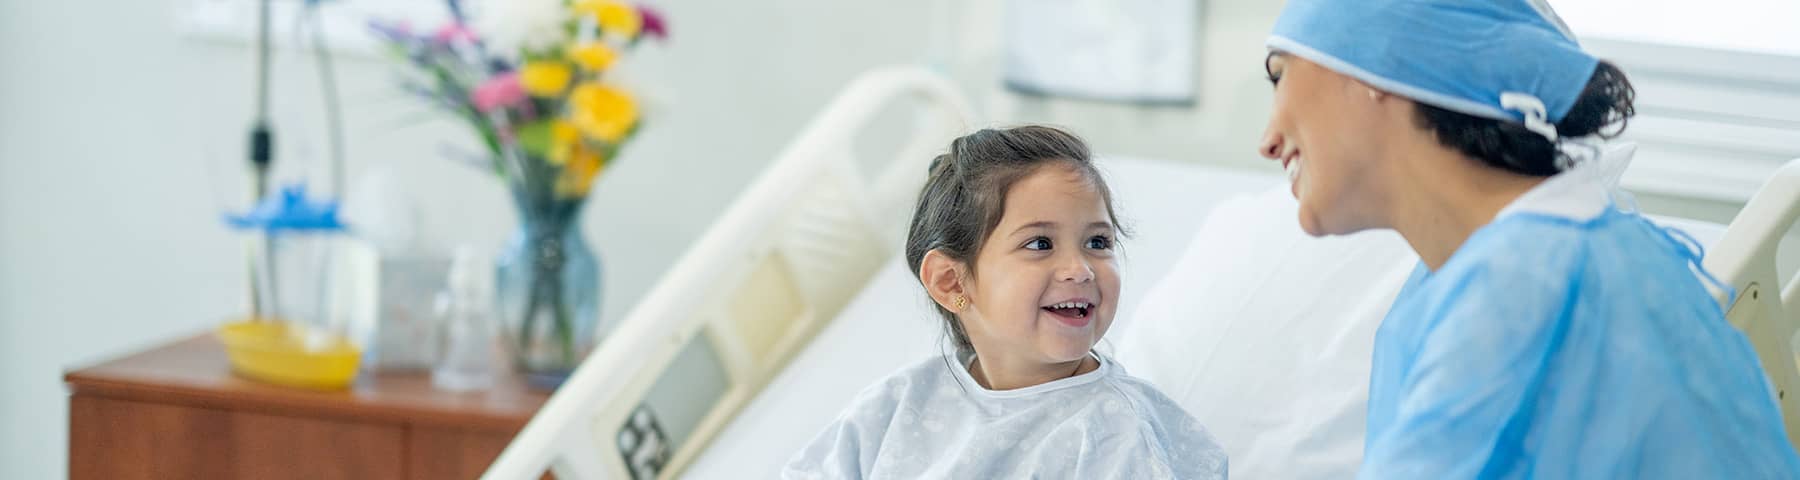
x=531, y=80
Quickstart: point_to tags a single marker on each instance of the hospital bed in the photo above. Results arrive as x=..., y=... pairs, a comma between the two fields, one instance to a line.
x=797, y=298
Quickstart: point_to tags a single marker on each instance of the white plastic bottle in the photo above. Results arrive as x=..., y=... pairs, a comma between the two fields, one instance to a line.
x=469, y=351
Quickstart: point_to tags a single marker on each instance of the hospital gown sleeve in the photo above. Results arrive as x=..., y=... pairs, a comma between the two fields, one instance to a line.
x=1191, y=454
x=847, y=448
x=1481, y=347
x=1163, y=441
x=835, y=454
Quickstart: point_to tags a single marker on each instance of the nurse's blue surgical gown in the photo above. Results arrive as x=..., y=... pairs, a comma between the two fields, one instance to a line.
x=1568, y=339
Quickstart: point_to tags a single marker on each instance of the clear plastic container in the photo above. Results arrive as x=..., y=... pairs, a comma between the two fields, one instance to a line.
x=294, y=279
x=296, y=336
x=470, y=353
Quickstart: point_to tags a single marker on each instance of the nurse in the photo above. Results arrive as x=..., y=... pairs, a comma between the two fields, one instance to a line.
x=1550, y=331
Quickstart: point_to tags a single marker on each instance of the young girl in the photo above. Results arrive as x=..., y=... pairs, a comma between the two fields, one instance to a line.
x=1014, y=240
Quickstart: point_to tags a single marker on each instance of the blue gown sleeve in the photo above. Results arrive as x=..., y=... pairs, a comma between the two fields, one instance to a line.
x=1482, y=345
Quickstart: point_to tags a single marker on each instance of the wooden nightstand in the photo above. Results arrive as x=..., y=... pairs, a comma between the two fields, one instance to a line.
x=177, y=411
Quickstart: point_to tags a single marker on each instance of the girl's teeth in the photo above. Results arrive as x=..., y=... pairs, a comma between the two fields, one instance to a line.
x=1293, y=169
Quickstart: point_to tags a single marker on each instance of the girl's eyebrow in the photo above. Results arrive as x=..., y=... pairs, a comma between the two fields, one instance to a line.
x=1043, y=225
x=1048, y=225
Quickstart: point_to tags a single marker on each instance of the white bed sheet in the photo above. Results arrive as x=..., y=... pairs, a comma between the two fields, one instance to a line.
x=890, y=324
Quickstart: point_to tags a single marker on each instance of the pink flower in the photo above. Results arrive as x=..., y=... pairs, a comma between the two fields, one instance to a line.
x=497, y=92
x=654, y=25
x=453, y=32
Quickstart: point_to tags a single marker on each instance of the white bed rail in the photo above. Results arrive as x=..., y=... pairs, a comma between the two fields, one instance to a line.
x=1764, y=308
x=819, y=164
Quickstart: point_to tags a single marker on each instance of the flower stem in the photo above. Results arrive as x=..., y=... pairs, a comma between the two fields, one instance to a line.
x=563, y=328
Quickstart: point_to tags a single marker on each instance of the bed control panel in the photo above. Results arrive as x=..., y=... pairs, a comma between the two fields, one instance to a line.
x=643, y=445
x=673, y=412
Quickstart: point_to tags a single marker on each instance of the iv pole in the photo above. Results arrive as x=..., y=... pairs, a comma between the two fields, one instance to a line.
x=263, y=291
x=262, y=154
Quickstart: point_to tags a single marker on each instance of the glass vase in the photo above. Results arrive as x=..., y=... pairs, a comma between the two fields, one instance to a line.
x=547, y=286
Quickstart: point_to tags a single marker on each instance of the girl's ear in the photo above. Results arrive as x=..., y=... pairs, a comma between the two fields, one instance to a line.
x=943, y=280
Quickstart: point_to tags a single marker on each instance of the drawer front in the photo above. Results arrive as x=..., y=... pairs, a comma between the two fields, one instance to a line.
x=120, y=439
x=452, y=454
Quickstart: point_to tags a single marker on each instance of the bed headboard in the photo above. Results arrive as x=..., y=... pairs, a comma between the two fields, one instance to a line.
x=779, y=264
x=1764, y=307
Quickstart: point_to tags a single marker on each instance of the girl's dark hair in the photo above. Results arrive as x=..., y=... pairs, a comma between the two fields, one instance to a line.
x=965, y=195
x=1606, y=102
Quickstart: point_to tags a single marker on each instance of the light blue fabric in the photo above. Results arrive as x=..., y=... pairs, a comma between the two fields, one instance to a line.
x=933, y=421
x=1461, y=55
x=1552, y=347
x=289, y=209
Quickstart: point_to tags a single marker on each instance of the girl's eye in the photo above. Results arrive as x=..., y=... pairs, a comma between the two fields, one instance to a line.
x=1100, y=242
x=1039, y=243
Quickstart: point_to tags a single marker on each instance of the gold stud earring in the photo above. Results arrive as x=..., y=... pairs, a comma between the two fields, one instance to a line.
x=961, y=302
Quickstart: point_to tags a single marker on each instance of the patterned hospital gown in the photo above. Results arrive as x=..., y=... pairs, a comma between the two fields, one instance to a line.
x=933, y=421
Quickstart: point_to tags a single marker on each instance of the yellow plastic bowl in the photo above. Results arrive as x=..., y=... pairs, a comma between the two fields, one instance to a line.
x=281, y=353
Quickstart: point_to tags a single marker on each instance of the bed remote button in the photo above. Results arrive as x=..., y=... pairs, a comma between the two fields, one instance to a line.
x=643, y=445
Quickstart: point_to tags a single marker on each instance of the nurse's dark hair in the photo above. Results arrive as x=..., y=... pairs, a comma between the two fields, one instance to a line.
x=965, y=195
x=1603, y=108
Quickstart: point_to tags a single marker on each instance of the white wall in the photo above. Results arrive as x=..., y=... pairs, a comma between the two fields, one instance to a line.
x=109, y=120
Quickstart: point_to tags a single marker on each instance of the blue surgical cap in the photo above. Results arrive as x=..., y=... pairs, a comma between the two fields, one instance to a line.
x=1510, y=60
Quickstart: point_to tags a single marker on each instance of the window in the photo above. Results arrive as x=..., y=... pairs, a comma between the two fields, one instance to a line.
x=1718, y=88
x=1762, y=26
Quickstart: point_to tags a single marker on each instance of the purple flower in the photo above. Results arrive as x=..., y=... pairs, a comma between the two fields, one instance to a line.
x=391, y=32
x=654, y=25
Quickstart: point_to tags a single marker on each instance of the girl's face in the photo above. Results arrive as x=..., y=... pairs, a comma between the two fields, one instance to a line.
x=1326, y=131
x=1046, y=281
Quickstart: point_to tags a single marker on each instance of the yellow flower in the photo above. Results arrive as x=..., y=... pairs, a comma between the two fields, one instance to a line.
x=615, y=18
x=592, y=56
x=578, y=174
x=588, y=7
x=545, y=79
x=563, y=133
x=601, y=112
x=565, y=141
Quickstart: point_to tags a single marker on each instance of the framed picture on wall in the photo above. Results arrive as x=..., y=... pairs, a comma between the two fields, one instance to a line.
x=1131, y=51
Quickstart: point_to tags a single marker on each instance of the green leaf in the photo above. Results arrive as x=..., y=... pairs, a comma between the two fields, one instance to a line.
x=536, y=137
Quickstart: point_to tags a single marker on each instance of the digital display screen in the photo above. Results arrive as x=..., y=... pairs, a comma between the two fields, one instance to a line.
x=694, y=382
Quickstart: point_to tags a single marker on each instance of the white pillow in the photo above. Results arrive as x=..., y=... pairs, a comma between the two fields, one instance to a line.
x=1264, y=334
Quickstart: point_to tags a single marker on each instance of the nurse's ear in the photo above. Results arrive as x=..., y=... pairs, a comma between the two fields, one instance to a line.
x=945, y=279
x=1380, y=104
x=1375, y=95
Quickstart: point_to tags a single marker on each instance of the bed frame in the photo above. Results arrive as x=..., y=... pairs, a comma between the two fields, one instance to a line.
x=1764, y=307
x=781, y=262
x=811, y=231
